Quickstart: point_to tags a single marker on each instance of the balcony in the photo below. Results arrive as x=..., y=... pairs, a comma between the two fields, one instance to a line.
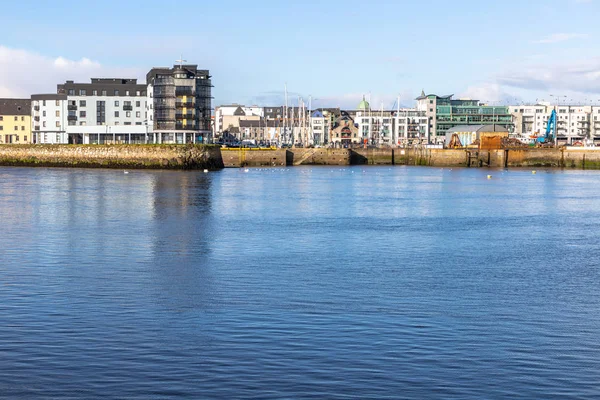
x=36, y=108
x=127, y=107
x=72, y=107
x=185, y=104
x=185, y=116
x=72, y=118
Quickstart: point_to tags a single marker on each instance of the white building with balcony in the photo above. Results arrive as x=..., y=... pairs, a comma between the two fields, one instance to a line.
x=49, y=119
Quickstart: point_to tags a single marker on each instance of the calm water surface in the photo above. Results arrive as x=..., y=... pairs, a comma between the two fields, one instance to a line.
x=299, y=283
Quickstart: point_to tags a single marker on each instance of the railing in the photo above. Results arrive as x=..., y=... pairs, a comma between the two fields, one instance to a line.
x=72, y=118
x=186, y=104
x=127, y=107
x=72, y=107
x=184, y=116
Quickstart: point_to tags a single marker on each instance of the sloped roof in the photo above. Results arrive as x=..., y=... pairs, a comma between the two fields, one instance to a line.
x=423, y=96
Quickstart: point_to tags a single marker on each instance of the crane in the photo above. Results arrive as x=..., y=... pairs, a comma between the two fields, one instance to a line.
x=550, y=130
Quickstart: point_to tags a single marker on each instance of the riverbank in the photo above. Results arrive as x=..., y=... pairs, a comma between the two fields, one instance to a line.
x=213, y=157
x=113, y=156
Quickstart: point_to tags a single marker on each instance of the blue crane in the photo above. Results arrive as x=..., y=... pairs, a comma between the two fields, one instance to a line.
x=550, y=130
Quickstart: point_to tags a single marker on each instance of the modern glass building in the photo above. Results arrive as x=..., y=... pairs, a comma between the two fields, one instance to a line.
x=444, y=113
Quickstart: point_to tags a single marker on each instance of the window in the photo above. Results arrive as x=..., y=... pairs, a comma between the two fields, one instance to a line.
x=25, y=138
x=116, y=114
x=117, y=123
x=127, y=123
x=44, y=102
x=22, y=128
x=82, y=103
x=16, y=128
x=56, y=103
x=57, y=113
x=71, y=92
x=430, y=101
x=22, y=118
x=16, y=118
x=127, y=93
x=57, y=124
x=44, y=124
x=138, y=123
x=82, y=114
x=137, y=103
x=137, y=114
x=1, y=128
x=116, y=92
x=128, y=114
x=104, y=93
x=82, y=123
x=44, y=113
x=137, y=92
x=94, y=92
x=82, y=92
x=116, y=103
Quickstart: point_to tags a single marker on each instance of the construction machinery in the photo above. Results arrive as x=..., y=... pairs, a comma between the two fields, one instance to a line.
x=455, y=142
x=548, y=139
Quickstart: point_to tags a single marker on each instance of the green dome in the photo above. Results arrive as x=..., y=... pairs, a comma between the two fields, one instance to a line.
x=364, y=105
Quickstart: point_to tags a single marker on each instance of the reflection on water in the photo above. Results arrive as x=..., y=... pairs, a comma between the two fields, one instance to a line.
x=295, y=283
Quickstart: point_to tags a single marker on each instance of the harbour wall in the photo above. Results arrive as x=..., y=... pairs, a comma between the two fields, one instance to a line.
x=113, y=156
x=213, y=157
x=501, y=158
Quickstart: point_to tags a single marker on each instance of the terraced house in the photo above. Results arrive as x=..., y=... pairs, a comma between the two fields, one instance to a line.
x=15, y=121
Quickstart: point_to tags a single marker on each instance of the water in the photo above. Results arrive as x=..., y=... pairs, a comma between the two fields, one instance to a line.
x=299, y=283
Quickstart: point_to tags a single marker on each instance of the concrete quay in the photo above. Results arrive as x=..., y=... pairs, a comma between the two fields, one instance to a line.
x=213, y=157
x=113, y=156
x=576, y=158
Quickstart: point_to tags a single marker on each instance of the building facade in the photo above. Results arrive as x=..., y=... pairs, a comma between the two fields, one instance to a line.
x=228, y=117
x=49, y=118
x=105, y=111
x=444, y=112
x=180, y=104
x=575, y=123
x=15, y=121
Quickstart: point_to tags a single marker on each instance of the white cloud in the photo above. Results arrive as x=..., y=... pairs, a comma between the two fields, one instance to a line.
x=23, y=73
x=581, y=76
x=489, y=92
x=561, y=37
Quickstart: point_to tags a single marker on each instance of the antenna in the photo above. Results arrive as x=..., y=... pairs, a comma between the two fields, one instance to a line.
x=181, y=61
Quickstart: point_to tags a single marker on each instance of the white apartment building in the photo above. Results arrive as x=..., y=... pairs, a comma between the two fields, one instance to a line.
x=411, y=127
x=575, y=123
x=49, y=118
x=230, y=115
x=106, y=111
x=320, y=126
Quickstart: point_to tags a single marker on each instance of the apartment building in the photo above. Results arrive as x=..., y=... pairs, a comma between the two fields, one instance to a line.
x=15, y=121
x=49, y=118
x=179, y=109
x=229, y=116
x=105, y=111
x=445, y=112
x=575, y=123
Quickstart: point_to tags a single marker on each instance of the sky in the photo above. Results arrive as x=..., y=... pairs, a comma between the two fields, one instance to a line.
x=333, y=51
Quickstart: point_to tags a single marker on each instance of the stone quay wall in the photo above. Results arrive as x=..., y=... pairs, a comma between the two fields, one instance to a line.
x=213, y=157
x=113, y=156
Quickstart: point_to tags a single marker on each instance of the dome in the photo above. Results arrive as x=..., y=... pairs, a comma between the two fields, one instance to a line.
x=364, y=105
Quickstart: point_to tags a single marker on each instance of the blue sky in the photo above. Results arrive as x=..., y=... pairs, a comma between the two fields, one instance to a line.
x=497, y=51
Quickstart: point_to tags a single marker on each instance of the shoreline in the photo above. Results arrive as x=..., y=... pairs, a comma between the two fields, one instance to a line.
x=199, y=157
